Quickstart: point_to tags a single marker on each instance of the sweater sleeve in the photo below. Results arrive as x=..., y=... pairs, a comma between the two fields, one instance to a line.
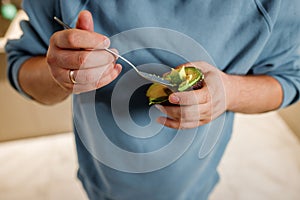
x=281, y=55
x=35, y=38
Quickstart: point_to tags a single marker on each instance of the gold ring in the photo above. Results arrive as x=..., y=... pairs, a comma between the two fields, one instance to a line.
x=71, y=76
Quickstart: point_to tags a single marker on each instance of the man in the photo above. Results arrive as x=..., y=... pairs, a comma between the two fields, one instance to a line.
x=248, y=51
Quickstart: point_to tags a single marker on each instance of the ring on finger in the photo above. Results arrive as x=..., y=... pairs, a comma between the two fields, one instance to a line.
x=71, y=76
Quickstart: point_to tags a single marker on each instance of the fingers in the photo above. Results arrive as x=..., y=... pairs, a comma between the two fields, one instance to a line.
x=83, y=37
x=81, y=51
x=193, y=97
x=186, y=113
x=197, y=107
x=85, y=21
x=109, y=75
x=80, y=59
x=79, y=39
x=88, y=79
x=77, y=52
x=185, y=117
x=171, y=123
x=82, y=76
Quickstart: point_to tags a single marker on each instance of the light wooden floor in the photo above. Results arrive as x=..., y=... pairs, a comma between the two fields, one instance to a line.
x=262, y=162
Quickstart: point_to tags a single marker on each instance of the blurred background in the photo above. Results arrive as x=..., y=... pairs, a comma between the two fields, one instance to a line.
x=38, y=155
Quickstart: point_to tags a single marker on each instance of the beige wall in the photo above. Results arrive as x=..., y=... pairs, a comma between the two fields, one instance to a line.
x=291, y=116
x=21, y=118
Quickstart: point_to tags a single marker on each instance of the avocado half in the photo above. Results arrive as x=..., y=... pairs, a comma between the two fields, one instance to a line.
x=184, y=78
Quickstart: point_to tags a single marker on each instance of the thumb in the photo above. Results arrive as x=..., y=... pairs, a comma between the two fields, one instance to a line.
x=85, y=21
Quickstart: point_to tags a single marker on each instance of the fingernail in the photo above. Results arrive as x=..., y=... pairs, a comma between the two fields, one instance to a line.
x=161, y=120
x=174, y=99
x=118, y=67
x=106, y=43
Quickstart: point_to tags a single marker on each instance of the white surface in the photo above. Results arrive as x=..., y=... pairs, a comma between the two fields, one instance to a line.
x=14, y=30
x=262, y=162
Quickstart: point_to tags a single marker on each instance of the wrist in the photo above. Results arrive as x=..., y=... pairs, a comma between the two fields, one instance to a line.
x=231, y=90
x=252, y=93
x=56, y=91
x=36, y=80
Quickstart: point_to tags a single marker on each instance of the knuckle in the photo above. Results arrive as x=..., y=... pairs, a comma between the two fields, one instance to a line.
x=111, y=59
x=205, y=121
x=184, y=114
x=51, y=59
x=176, y=113
x=71, y=39
x=102, y=40
x=53, y=39
x=106, y=61
x=55, y=74
x=194, y=97
x=205, y=97
x=206, y=111
x=174, y=124
x=107, y=58
x=89, y=78
x=95, y=84
x=81, y=58
x=183, y=125
x=201, y=63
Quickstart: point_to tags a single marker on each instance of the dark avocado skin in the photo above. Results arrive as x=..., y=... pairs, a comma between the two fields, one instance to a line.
x=198, y=85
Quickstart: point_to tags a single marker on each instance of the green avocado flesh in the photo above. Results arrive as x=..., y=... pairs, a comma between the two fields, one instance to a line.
x=184, y=78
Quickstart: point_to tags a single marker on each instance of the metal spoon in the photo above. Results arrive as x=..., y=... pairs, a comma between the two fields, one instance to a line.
x=151, y=77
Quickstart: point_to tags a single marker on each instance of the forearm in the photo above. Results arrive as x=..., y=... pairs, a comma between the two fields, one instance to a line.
x=36, y=80
x=252, y=94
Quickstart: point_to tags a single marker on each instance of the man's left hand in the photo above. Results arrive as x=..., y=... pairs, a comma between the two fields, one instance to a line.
x=197, y=107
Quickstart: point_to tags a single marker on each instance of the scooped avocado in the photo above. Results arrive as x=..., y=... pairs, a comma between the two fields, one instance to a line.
x=183, y=78
x=158, y=93
x=176, y=76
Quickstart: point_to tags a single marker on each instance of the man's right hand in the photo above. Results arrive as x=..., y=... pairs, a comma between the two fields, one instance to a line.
x=79, y=50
